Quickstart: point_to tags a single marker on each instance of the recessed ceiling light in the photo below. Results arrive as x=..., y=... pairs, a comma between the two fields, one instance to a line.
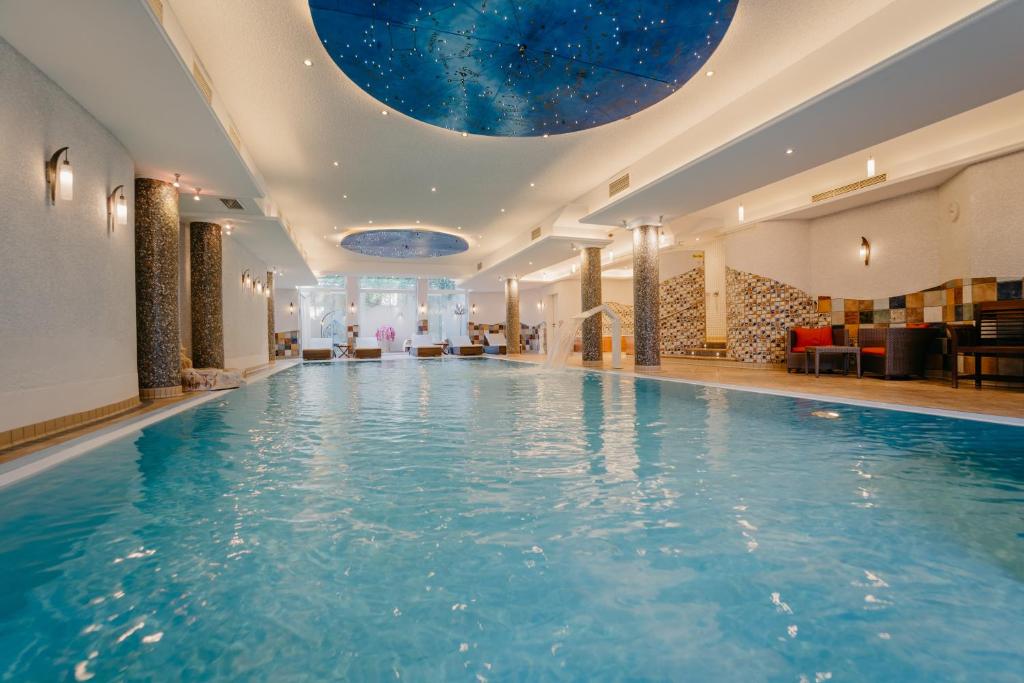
x=383, y=112
x=417, y=222
x=503, y=210
x=335, y=227
x=460, y=227
x=308, y=62
x=533, y=184
x=465, y=135
x=545, y=135
x=371, y=222
x=344, y=196
x=789, y=150
x=433, y=189
x=531, y=263
x=709, y=73
x=335, y=163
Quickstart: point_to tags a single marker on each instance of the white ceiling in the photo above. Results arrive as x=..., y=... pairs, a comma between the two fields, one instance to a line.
x=296, y=121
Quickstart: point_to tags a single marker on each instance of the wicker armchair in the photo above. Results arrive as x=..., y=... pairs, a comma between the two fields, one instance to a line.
x=796, y=358
x=894, y=351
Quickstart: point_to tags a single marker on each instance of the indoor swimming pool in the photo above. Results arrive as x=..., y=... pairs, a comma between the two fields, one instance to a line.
x=490, y=521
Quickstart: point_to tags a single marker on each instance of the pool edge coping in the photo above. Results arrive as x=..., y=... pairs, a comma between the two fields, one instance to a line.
x=47, y=458
x=821, y=398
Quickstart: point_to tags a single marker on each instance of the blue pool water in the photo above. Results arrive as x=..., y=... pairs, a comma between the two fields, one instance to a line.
x=480, y=520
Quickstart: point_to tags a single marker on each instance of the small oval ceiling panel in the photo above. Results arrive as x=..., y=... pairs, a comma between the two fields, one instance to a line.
x=520, y=67
x=404, y=243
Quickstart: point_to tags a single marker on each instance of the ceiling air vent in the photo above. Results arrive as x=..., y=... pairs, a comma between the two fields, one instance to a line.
x=852, y=187
x=535, y=233
x=202, y=80
x=158, y=10
x=232, y=204
x=480, y=266
x=618, y=185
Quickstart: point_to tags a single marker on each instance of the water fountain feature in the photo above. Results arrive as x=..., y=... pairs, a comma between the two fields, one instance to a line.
x=565, y=334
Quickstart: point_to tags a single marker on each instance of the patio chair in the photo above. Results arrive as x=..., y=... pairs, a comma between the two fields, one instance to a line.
x=799, y=338
x=894, y=351
x=423, y=346
x=366, y=347
x=495, y=343
x=463, y=346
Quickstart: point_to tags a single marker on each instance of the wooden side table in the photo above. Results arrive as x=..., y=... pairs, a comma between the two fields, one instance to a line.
x=845, y=351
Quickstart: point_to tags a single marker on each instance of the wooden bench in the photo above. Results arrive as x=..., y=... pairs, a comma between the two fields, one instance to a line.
x=998, y=331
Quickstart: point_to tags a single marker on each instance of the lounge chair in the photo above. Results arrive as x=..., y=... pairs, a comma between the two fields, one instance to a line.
x=895, y=351
x=318, y=348
x=366, y=347
x=463, y=346
x=495, y=343
x=424, y=347
x=799, y=338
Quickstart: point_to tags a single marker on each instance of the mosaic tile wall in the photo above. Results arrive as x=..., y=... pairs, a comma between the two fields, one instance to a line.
x=683, y=311
x=529, y=336
x=951, y=301
x=286, y=344
x=625, y=313
x=759, y=310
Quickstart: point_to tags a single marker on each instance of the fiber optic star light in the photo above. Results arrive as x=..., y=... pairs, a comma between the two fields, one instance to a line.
x=520, y=67
x=404, y=243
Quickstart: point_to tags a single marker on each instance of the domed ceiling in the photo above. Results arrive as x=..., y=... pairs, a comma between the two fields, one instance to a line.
x=520, y=67
x=404, y=243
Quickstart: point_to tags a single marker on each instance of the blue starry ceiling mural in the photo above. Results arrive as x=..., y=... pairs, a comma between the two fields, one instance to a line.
x=520, y=67
x=404, y=243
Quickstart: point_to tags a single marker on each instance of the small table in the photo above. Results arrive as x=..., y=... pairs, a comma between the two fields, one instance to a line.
x=343, y=350
x=845, y=351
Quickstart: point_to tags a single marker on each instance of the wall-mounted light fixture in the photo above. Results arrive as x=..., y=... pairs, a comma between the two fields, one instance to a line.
x=871, y=167
x=199, y=191
x=423, y=309
x=246, y=278
x=291, y=307
x=741, y=213
x=865, y=250
x=60, y=177
x=352, y=307
x=472, y=309
x=117, y=207
x=227, y=229
x=177, y=180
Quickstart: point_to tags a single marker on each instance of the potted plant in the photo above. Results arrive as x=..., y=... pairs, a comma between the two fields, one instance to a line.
x=385, y=335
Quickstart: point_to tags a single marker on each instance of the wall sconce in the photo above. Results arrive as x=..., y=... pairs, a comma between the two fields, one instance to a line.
x=177, y=180
x=352, y=307
x=865, y=250
x=422, y=309
x=246, y=278
x=199, y=191
x=291, y=308
x=227, y=229
x=60, y=177
x=117, y=207
x=259, y=286
x=472, y=309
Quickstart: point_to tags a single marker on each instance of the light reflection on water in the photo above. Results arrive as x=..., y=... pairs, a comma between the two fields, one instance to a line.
x=466, y=520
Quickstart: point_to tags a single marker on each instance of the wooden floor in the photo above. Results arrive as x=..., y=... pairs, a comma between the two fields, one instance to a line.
x=936, y=394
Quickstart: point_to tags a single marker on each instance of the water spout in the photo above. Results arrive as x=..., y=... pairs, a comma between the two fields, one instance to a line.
x=565, y=335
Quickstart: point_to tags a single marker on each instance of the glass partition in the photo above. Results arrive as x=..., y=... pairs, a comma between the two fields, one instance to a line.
x=388, y=308
x=446, y=314
x=322, y=313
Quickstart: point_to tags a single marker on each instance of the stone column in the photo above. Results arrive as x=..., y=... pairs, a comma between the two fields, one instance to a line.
x=590, y=289
x=156, y=288
x=512, y=314
x=271, y=337
x=205, y=257
x=646, y=325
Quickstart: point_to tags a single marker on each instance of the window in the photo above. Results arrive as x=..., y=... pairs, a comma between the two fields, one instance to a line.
x=440, y=283
x=446, y=314
x=387, y=282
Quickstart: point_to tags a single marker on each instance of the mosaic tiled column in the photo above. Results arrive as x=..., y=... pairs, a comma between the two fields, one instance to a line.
x=512, y=314
x=156, y=288
x=205, y=257
x=646, y=334
x=590, y=289
x=271, y=341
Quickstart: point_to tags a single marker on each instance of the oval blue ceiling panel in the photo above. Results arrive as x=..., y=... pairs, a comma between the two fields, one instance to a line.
x=520, y=67
x=404, y=243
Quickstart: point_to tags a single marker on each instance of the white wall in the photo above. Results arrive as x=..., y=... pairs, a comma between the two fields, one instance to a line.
x=285, y=320
x=67, y=285
x=245, y=312
x=915, y=241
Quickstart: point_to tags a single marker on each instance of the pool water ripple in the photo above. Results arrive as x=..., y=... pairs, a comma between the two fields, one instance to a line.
x=484, y=521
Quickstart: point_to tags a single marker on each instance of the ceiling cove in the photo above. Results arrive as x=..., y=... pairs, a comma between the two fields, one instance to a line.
x=520, y=68
x=403, y=243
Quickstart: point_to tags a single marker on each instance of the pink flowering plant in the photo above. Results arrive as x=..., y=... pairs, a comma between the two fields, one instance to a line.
x=385, y=333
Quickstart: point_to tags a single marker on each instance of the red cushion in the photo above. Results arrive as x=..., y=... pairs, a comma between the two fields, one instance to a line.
x=812, y=336
x=873, y=350
x=798, y=349
x=918, y=326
